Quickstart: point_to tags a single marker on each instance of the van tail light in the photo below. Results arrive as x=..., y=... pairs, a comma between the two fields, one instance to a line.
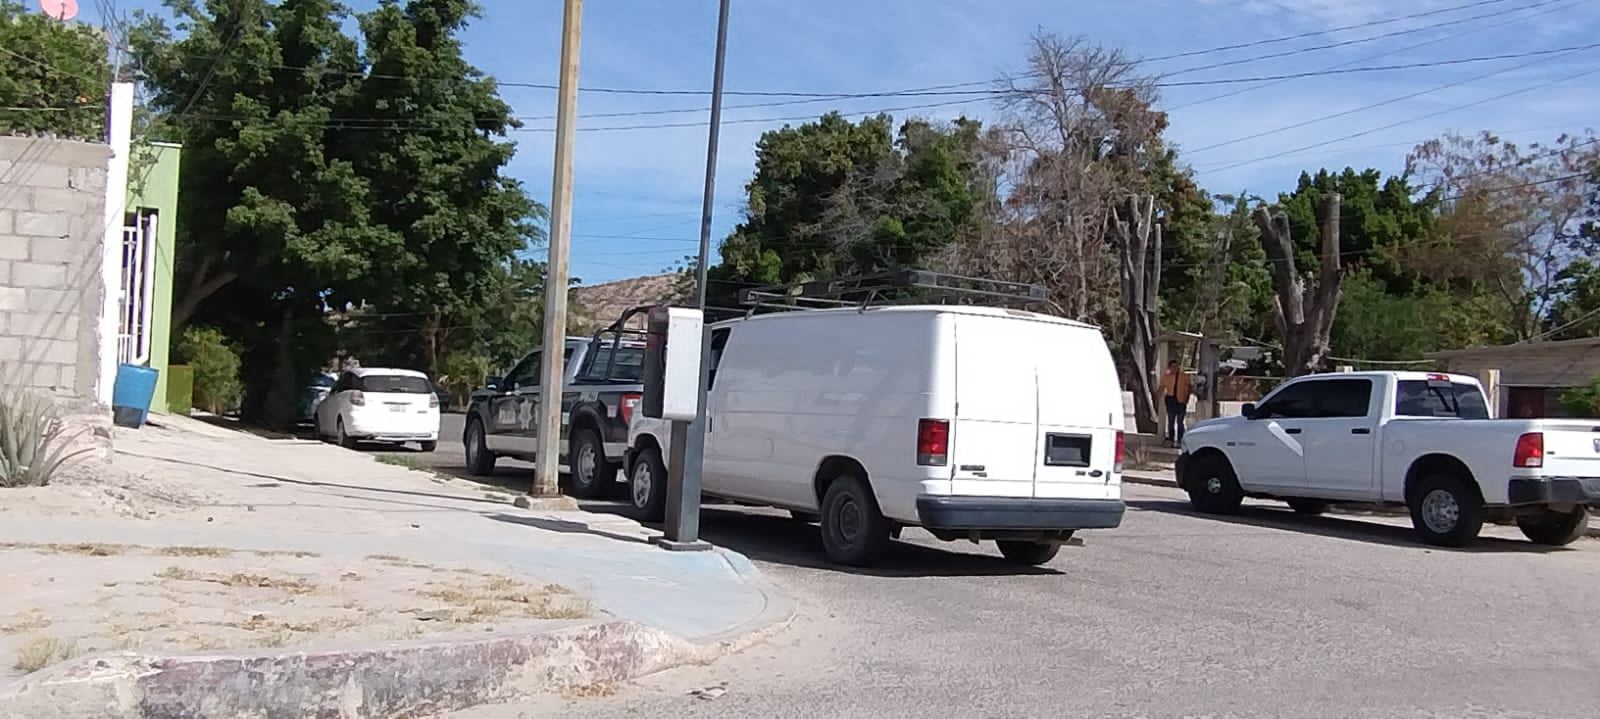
x=1530, y=451
x=626, y=408
x=933, y=442
x=1117, y=458
x=357, y=399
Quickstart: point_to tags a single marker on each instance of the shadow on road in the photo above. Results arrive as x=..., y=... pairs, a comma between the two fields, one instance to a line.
x=783, y=540
x=1338, y=528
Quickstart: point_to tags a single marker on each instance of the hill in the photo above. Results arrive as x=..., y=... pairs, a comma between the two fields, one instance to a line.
x=598, y=305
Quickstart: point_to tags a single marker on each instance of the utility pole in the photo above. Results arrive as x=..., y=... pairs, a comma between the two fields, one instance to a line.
x=683, y=481
x=551, y=366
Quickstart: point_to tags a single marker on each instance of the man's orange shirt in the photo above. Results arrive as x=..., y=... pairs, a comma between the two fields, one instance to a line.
x=1175, y=384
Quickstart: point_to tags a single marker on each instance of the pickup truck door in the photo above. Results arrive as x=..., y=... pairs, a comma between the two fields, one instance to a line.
x=507, y=413
x=1268, y=453
x=1341, y=440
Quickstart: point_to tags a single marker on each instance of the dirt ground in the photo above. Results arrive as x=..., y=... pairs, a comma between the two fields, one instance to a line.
x=82, y=598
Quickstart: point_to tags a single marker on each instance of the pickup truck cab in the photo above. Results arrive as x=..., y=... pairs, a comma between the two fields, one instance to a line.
x=1420, y=440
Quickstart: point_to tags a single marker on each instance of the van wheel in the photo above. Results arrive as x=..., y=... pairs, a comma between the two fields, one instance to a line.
x=854, y=532
x=647, y=486
x=592, y=475
x=480, y=461
x=1213, y=487
x=1307, y=506
x=1030, y=553
x=1554, y=529
x=1445, y=510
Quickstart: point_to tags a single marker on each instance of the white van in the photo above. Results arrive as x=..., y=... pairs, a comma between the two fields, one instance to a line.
x=971, y=422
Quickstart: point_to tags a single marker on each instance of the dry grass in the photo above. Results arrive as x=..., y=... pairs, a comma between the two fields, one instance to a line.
x=31, y=620
x=41, y=652
x=388, y=558
x=495, y=597
x=296, y=553
x=593, y=690
x=194, y=551
x=91, y=549
x=292, y=585
x=408, y=461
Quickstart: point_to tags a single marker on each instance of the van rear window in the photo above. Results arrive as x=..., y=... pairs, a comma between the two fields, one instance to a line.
x=395, y=384
x=1415, y=398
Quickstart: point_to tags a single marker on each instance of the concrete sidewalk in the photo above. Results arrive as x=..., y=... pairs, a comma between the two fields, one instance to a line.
x=210, y=488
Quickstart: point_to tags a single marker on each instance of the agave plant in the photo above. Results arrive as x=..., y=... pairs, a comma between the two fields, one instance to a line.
x=34, y=442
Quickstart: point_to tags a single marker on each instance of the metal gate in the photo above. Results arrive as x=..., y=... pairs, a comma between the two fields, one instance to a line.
x=135, y=300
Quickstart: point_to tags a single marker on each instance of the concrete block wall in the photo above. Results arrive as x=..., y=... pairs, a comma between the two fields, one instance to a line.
x=52, y=229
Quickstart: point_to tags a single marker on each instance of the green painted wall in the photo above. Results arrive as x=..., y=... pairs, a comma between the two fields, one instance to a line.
x=153, y=183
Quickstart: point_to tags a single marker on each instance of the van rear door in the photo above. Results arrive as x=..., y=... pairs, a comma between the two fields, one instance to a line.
x=992, y=449
x=1080, y=413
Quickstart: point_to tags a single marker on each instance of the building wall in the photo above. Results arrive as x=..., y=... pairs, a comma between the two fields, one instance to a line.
x=1557, y=366
x=52, y=211
x=153, y=184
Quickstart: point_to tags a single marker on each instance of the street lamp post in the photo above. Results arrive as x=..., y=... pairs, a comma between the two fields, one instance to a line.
x=683, y=493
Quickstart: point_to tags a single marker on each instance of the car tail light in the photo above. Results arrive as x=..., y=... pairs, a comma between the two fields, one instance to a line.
x=1530, y=451
x=933, y=442
x=357, y=399
x=1117, y=458
x=625, y=409
x=433, y=401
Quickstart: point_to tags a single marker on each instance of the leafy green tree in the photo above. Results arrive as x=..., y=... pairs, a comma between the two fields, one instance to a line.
x=53, y=75
x=216, y=368
x=1575, y=308
x=1584, y=400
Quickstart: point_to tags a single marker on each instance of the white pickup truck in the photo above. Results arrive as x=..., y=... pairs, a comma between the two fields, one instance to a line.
x=1421, y=440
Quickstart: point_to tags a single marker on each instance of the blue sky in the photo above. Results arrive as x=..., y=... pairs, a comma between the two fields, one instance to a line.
x=636, y=204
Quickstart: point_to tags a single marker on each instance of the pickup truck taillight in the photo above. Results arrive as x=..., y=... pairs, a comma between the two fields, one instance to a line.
x=626, y=407
x=933, y=442
x=1117, y=459
x=1530, y=451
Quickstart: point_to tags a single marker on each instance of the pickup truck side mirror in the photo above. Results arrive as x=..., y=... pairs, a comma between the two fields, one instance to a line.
x=1248, y=410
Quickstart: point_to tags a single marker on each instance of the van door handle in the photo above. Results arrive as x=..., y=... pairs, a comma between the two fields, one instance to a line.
x=1361, y=430
x=1291, y=430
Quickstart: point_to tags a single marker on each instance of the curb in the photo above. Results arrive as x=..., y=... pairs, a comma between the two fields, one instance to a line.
x=1351, y=510
x=401, y=679
x=776, y=615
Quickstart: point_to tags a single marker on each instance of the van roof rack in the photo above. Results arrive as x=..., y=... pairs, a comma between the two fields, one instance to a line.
x=890, y=288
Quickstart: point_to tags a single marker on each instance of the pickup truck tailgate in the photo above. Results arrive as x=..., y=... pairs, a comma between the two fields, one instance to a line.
x=1572, y=449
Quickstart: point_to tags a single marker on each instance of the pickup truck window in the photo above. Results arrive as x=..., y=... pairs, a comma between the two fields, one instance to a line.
x=525, y=374
x=1320, y=399
x=627, y=367
x=1414, y=398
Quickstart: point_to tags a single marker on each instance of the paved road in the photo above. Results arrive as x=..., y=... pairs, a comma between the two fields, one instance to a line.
x=1265, y=615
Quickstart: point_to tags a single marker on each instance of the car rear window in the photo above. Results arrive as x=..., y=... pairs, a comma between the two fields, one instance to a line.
x=1414, y=398
x=395, y=384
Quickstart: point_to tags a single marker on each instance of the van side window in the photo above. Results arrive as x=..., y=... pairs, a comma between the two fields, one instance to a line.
x=719, y=340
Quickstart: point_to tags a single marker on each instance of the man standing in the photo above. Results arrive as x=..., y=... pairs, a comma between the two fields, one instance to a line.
x=1175, y=390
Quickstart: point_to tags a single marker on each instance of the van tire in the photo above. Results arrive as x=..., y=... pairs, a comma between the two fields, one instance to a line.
x=592, y=475
x=854, y=532
x=1446, y=510
x=1032, y=554
x=1213, y=486
x=647, y=485
x=480, y=461
x=1554, y=529
x=1311, y=507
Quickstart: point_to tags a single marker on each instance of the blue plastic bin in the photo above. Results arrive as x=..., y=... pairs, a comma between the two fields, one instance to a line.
x=131, y=395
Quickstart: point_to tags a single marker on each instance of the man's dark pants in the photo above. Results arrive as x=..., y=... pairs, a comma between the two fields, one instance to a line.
x=1175, y=413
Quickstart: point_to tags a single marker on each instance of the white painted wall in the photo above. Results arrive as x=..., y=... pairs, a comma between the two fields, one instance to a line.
x=119, y=135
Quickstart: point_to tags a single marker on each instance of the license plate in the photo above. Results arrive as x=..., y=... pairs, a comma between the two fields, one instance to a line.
x=397, y=408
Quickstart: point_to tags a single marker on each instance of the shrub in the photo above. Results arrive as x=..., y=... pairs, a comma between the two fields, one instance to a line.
x=463, y=372
x=216, y=368
x=1583, y=401
x=34, y=442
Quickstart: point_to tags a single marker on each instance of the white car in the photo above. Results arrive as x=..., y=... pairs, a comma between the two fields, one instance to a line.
x=1414, y=439
x=972, y=422
x=380, y=405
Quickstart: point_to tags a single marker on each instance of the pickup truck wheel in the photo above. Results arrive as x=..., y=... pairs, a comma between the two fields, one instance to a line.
x=592, y=475
x=480, y=461
x=1555, y=529
x=1445, y=510
x=647, y=486
x=1307, y=506
x=1213, y=486
x=854, y=532
x=1032, y=554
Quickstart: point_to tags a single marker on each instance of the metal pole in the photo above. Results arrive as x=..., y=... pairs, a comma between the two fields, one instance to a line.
x=683, y=495
x=555, y=276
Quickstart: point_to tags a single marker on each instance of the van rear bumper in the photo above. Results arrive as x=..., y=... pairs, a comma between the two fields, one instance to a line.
x=985, y=513
x=1554, y=490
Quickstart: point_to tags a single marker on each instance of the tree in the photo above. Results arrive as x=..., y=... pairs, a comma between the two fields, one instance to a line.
x=53, y=75
x=1304, y=311
x=1575, y=302
x=1508, y=218
x=1139, y=246
x=833, y=198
